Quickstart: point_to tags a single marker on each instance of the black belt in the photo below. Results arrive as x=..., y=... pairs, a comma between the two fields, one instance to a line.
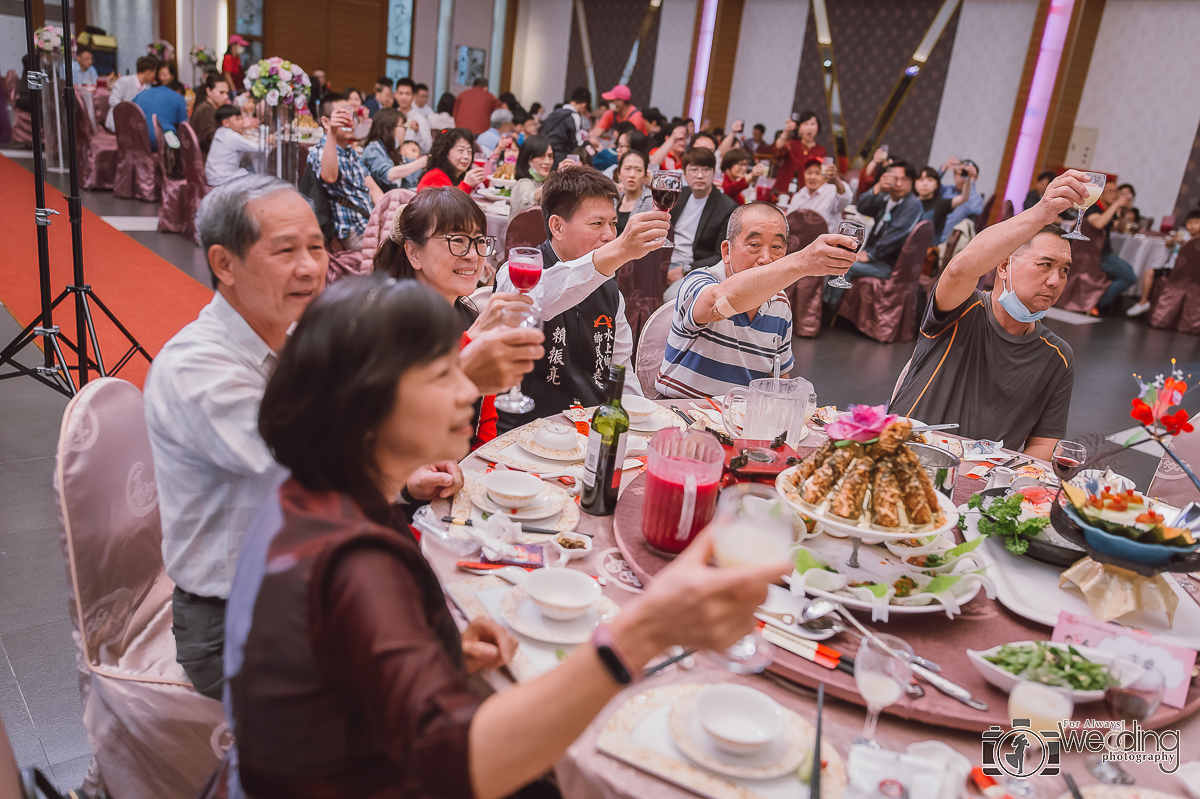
x=202, y=600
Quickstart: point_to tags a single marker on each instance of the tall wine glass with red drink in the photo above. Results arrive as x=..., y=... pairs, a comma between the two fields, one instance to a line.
x=1068, y=457
x=665, y=187
x=524, y=268
x=856, y=231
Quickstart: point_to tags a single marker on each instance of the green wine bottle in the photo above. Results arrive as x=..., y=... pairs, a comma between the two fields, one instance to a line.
x=606, y=449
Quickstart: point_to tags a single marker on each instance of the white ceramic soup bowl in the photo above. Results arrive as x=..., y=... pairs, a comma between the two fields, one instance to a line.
x=639, y=409
x=562, y=594
x=557, y=437
x=739, y=720
x=512, y=490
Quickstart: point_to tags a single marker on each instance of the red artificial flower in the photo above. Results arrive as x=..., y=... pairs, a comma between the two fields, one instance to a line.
x=1177, y=423
x=1142, y=412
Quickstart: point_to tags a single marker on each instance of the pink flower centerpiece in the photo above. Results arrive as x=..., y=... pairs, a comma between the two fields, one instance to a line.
x=861, y=423
x=277, y=81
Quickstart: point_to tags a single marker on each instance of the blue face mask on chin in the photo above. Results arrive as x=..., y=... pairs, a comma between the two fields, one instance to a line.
x=1015, y=308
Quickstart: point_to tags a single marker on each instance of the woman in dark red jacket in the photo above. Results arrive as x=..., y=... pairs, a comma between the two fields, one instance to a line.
x=450, y=161
x=440, y=239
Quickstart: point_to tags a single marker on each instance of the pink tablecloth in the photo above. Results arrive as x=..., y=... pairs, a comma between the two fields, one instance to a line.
x=585, y=773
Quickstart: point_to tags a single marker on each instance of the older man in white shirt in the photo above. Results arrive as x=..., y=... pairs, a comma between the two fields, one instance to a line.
x=268, y=261
x=823, y=192
x=130, y=86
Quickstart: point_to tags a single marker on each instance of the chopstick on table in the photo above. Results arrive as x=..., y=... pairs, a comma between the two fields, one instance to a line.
x=655, y=669
x=713, y=403
x=814, y=781
x=524, y=528
x=1070, y=781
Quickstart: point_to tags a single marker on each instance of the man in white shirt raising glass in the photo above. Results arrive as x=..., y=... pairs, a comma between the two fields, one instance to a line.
x=823, y=191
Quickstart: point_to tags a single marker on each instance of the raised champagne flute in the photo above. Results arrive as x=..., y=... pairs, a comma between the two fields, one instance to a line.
x=752, y=527
x=882, y=671
x=856, y=231
x=1095, y=186
x=1067, y=458
x=524, y=268
x=531, y=318
x=665, y=187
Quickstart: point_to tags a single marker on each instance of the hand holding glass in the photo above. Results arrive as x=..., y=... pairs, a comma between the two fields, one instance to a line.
x=515, y=401
x=856, y=231
x=1095, y=186
x=665, y=187
x=752, y=527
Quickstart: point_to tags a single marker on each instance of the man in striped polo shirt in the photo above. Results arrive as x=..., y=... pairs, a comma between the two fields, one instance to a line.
x=732, y=319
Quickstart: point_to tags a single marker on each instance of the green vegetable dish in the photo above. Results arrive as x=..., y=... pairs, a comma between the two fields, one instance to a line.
x=1002, y=519
x=1078, y=672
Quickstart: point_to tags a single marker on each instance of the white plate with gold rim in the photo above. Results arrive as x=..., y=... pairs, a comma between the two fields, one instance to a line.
x=778, y=758
x=549, y=502
x=525, y=440
x=521, y=614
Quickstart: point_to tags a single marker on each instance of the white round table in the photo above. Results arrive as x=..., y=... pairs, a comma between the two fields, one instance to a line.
x=1142, y=252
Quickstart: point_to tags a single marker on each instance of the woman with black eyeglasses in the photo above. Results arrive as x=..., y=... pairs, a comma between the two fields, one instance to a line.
x=440, y=239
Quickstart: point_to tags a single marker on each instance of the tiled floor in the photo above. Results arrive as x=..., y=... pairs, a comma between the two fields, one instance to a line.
x=39, y=692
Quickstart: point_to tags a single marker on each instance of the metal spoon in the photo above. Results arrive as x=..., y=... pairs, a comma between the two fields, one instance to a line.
x=819, y=608
x=824, y=623
x=786, y=618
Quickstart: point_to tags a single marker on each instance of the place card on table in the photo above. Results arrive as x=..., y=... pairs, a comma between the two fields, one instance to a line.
x=1175, y=662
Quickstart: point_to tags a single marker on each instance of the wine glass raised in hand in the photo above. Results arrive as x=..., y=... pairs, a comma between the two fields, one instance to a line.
x=513, y=316
x=752, y=527
x=1067, y=458
x=1095, y=186
x=524, y=268
x=856, y=231
x=665, y=187
x=881, y=672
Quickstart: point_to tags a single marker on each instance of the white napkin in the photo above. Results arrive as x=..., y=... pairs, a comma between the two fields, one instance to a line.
x=923, y=778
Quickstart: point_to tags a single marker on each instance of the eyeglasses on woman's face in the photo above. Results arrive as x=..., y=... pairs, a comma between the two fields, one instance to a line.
x=460, y=244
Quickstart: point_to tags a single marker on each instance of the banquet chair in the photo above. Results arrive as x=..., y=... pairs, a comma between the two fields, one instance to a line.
x=1006, y=212
x=950, y=248
x=173, y=211
x=152, y=735
x=642, y=283
x=652, y=346
x=22, y=129
x=5, y=119
x=1086, y=281
x=379, y=226
x=96, y=150
x=526, y=229
x=137, y=167
x=886, y=309
x=193, y=176
x=100, y=99
x=1176, y=301
x=805, y=294
x=981, y=221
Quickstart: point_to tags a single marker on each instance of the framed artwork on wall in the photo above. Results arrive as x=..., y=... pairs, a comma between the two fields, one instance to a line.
x=472, y=64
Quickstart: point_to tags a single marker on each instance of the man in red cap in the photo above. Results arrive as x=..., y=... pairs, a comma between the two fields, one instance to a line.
x=619, y=110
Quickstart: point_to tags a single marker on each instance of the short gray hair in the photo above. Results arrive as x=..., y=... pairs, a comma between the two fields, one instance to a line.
x=222, y=218
x=737, y=218
x=500, y=116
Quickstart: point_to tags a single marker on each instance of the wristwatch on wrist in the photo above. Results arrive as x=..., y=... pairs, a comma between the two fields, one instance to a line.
x=610, y=656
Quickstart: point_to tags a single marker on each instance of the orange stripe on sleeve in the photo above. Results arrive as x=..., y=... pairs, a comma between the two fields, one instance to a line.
x=939, y=366
x=1056, y=349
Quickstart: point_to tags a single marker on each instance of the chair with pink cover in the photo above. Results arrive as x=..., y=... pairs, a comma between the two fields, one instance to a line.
x=1176, y=304
x=805, y=294
x=981, y=221
x=22, y=130
x=152, y=735
x=1170, y=483
x=100, y=99
x=886, y=309
x=193, y=176
x=137, y=168
x=642, y=283
x=652, y=347
x=173, y=212
x=379, y=226
x=1086, y=281
x=526, y=229
x=95, y=149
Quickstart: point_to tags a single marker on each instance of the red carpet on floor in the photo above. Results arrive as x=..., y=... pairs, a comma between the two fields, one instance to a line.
x=152, y=298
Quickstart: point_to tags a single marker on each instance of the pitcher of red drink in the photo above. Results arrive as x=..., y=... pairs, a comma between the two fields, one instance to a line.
x=682, y=481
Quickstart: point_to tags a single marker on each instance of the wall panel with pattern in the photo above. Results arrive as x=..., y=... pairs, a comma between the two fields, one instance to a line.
x=613, y=27
x=872, y=42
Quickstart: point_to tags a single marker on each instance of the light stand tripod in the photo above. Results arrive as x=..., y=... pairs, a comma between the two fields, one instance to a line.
x=55, y=372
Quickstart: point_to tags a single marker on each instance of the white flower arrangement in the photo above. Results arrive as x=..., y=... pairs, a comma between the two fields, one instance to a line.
x=202, y=56
x=274, y=80
x=49, y=39
x=162, y=50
